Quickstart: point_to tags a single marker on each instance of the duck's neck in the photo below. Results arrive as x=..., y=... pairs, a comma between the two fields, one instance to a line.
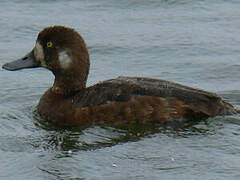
x=68, y=84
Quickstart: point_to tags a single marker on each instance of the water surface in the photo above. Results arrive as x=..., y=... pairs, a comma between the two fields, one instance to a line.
x=191, y=42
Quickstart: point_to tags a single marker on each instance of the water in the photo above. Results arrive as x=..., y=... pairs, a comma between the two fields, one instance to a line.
x=187, y=41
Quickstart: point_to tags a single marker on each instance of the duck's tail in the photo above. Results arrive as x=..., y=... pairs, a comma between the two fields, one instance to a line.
x=228, y=109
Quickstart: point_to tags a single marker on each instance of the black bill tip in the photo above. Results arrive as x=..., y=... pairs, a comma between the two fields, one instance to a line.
x=10, y=67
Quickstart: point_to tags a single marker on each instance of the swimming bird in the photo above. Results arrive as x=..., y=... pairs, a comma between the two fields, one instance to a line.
x=139, y=100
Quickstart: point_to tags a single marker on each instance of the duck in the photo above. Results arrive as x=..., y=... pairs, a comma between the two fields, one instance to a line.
x=122, y=100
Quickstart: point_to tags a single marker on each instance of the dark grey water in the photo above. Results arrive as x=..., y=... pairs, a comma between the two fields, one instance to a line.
x=194, y=42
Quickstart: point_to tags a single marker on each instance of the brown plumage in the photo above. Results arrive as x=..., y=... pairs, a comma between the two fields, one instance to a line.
x=122, y=100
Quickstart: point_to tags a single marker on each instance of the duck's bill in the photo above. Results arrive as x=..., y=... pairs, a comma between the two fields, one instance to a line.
x=28, y=61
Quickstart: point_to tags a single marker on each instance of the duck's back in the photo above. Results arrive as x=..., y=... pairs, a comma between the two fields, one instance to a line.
x=135, y=99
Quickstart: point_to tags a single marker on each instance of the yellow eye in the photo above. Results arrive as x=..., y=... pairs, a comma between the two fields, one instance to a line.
x=49, y=44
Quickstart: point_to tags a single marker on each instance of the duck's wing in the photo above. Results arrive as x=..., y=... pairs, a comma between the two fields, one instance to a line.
x=177, y=96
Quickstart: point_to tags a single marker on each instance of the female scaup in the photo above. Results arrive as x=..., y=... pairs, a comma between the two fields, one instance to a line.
x=122, y=100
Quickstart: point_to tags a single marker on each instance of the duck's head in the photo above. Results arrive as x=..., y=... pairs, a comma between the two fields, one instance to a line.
x=61, y=50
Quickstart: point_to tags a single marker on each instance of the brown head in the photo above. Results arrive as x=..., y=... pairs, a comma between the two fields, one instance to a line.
x=63, y=51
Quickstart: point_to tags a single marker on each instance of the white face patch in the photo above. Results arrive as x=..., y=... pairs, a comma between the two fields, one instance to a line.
x=39, y=54
x=64, y=58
